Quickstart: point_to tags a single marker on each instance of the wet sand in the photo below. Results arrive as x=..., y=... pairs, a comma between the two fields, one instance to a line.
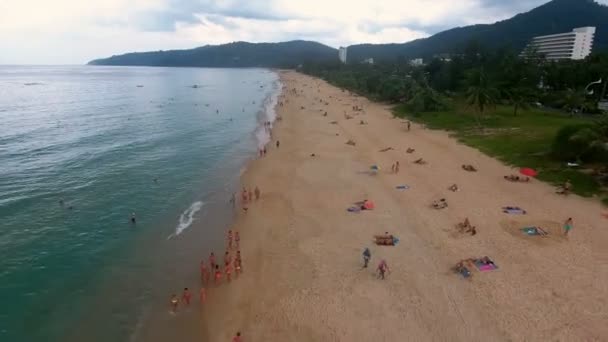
x=303, y=278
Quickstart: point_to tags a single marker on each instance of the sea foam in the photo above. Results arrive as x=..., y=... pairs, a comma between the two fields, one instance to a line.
x=186, y=218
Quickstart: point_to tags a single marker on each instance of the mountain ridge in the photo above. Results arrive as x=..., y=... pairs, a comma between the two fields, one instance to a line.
x=552, y=17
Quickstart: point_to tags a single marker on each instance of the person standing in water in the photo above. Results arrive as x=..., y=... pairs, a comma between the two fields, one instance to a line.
x=212, y=260
x=186, y=296
x=230, y=239
x=203, y=296
x=174, y=303
x=257, y=193
x=237, y=239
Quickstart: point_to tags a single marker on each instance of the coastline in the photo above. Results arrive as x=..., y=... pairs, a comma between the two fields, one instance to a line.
x=303, y=280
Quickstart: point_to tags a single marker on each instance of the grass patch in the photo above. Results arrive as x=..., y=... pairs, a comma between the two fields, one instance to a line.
x=521, y=141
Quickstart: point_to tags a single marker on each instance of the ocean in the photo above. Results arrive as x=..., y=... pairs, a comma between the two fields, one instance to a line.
x=82, y=148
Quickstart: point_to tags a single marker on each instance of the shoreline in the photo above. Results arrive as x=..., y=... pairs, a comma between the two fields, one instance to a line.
x=302, y=278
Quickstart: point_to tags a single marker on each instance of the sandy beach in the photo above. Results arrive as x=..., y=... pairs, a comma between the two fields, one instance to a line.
x=303, y=278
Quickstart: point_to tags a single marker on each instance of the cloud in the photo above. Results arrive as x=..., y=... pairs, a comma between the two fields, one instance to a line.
x=75, y=31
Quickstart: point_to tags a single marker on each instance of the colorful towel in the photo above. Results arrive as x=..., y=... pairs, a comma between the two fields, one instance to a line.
x=483, y=267
x=402, y=187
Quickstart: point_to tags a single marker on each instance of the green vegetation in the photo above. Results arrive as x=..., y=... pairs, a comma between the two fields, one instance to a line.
x=521, y=141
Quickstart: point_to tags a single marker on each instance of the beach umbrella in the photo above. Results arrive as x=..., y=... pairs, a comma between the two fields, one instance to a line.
x=526, y=171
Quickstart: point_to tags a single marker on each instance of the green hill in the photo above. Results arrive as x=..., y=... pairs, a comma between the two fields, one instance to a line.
x=234, y=55
x=553, y=17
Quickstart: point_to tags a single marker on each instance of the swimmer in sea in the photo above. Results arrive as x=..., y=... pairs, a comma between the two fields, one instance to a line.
x=186, y=296
x=174, y=303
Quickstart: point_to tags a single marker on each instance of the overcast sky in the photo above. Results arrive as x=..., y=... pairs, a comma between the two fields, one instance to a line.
x=76, y=31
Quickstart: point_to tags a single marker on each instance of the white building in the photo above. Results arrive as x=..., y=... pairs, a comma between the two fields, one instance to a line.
x=417, y=62
x=368, y=61
x=571, y=45
x=342, y=54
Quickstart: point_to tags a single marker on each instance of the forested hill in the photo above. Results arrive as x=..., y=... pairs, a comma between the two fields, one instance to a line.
x=240, y=54
x=553, y=17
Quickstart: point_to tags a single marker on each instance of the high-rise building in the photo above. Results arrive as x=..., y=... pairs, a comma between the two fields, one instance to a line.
x=342, y=54
x=570, y=45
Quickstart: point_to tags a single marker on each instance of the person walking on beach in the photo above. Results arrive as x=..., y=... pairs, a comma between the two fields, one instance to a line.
x=202, y=296
x=409, y=124
x=244, y=196
x=237, y=337
x=212, y=260
x=174, y=303
x=382, y=269
x=218, y=274
x=568, y=226
x=367, y=255
x=237, y=239
x=278, y=144
x=186, y=296
x=230, y=239
x=228, y=271
x=204, y=273
x=257, y=193
x=397, y=167
x=237, y=266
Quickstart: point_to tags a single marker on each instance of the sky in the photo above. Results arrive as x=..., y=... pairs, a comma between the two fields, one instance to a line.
x=76, y=31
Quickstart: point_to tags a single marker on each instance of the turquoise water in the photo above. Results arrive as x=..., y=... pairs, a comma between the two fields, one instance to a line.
x=167, y=144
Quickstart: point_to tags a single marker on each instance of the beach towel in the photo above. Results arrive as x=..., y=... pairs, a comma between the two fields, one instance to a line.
x=483, y=267
x=533, y=231
x=513, y=210
x=354, y=209
x=395, y=242
x=402, y=187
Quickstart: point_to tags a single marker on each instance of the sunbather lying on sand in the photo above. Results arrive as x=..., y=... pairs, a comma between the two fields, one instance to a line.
x=351, y=142
x=410, y=150
x=516, y=178
x=453, y=188
x=461, y=268
x=420, y=161
x=466, y=227
x=468, y=167
x=386, y=149
x=440, y=204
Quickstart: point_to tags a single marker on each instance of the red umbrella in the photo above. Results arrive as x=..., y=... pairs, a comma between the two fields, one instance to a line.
x=526, y=171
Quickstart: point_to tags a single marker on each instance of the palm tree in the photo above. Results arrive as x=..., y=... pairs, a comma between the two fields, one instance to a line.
x=594, y=137
x=520, y=98
x=480, y=94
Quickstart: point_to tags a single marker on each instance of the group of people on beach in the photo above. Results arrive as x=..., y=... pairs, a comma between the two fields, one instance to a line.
x=213, y=267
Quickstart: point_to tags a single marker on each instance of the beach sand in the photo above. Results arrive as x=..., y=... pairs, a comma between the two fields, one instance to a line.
x=303, y=278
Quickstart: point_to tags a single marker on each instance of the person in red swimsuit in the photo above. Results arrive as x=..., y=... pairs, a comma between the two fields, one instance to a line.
x=186, y=296
x=218, y=274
